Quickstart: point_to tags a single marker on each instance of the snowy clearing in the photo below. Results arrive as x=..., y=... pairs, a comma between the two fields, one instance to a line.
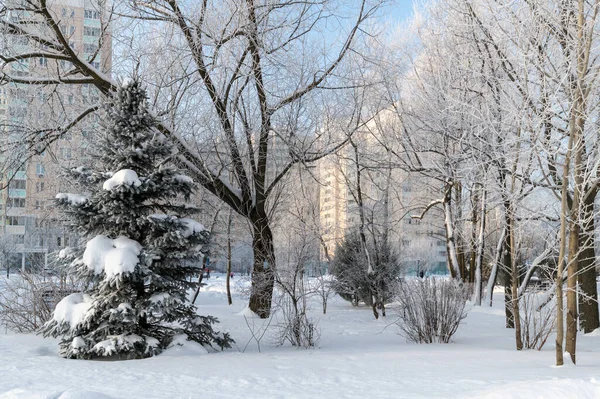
x=358, y=357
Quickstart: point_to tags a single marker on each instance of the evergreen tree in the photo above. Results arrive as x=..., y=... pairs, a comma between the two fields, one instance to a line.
x=352, y=280
x=139, y=244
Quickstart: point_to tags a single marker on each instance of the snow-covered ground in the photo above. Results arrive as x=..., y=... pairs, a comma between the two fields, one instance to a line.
x=357, y=357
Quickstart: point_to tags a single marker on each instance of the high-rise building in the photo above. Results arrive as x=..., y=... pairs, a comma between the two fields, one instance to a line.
x=29, y=227
x=391, y=197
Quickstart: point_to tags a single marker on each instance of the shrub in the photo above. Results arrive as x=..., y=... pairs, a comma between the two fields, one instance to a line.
x=431, y=309
x=27, y=300
x=538, y=318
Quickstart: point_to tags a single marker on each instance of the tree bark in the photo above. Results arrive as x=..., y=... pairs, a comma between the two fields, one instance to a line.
x=228, y=280
x=589, y=318
x=515, y=287
x=480, y=248
x=263, y=273
x=507, y=266
x=450, y=234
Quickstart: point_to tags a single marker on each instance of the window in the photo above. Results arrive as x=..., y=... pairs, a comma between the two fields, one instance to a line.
x=90, y=48
x=20, y=239
x=43, y=62
x=40, y=170
x=71, y=30
x=37, y=206
x=91, y=14
x=15, y=221
x=16, y=203
x=59, y=241
x=17, y=185
x=89, y=31
x=65, y=152
x=62, y=241
x=39, y=187
x=40, y=241
x=95, y=64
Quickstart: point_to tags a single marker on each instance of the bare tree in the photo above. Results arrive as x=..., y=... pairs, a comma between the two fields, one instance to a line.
x=255, y=69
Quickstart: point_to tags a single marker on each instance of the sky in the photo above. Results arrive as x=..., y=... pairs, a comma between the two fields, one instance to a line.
x=401, y=9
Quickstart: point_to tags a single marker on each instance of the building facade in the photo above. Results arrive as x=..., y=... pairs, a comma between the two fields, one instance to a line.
x=29, y=227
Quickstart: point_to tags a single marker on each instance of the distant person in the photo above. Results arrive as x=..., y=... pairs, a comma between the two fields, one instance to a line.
x=207, y=270
x=231, y=274
x=421, y=274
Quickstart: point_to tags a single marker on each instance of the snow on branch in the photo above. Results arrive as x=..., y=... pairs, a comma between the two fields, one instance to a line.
x=123, y=177
x=73, y=199
x=427, y=208
x=114, y=257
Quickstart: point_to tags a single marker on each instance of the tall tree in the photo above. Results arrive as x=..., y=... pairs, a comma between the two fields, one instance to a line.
x=260, y=72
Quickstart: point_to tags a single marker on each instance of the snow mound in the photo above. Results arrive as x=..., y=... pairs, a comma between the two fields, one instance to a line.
x=122, y=177
x=72, y=309
x=247, y=313
x=180, y=346
x=114, y=257
x=73, y=199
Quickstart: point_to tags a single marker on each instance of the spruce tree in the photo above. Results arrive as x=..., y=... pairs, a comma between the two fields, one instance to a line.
x=138, y=244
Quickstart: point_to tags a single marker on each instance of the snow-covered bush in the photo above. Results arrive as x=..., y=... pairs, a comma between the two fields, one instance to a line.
x=430, y=310
x=139, y=243
x=354, y=283
x=538, y=318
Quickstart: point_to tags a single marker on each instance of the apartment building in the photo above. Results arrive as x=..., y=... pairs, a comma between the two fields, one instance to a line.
x=391, y=197
x=29, y=227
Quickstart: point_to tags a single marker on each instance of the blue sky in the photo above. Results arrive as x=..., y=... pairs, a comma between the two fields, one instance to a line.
x=400, y=9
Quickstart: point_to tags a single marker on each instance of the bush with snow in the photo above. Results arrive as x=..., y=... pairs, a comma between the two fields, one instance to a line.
x=430, y=310
x=140, y=244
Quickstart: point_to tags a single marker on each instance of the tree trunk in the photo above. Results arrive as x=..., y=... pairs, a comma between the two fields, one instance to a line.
x=200, y=277
x=507, y=266
x=589, y=318
x=450, y=234
x=263, y=272
x=228, y=279
x=515, y=287
x=571, y=321
x=489, y=293
x=480, y=248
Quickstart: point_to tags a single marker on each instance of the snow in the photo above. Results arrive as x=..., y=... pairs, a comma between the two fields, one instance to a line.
x=123, y=177
x=357, y=357
x=65, y=252
x=73, y=199
x=114, y=257
x=192, y=227
x=184, y=179
x=72, y=309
